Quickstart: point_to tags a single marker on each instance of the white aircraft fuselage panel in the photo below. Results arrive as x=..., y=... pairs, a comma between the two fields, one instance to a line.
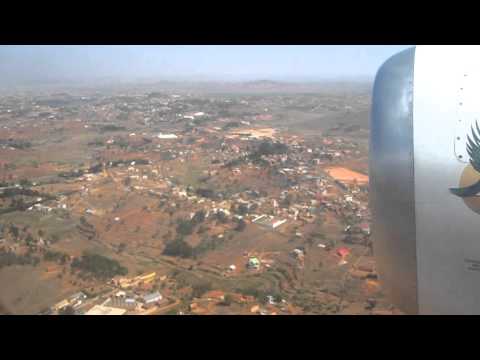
x=424, y=169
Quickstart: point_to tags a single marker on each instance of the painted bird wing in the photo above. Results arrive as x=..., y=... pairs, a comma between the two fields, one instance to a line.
x=468, y=191
x=473, y=147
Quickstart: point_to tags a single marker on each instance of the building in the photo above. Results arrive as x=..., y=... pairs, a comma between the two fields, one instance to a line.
x=146, y=278
x=123, y=303
x=125, y=283
x=167, y=136
x=152, y=298
x=105, y=310
x=253, y=263
x=60, y=305
x=365, y=228
x=77, y=297
x=269, y=222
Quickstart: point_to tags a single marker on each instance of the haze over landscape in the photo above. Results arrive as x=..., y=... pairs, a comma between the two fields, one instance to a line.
x=82, y=64
x=172, y=180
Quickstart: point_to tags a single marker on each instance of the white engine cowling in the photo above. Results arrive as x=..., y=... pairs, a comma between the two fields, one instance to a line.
x=425, y=179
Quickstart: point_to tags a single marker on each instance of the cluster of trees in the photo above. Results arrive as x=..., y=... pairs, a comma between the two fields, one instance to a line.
x=112, y=128
x=96, y=142
x=235, y=162
x=166, y=155
x=8, y=258
x=55, y=256
x=185, y=227
x=231, y=125
x=260, y=294
x=241, y=225
x=178, y=247
x=241, y=209
x=17, y=144
x=269, y=148
x=227, y=300
x=207, y=244
x=206, y=193
x=67, y=310
x=25, y=192
x=221, y=217
x=98, y=266
x=201, y=288
x=87, y=229
x=265, y=148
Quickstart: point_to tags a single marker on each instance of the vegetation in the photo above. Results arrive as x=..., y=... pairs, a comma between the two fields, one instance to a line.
x=270, y=148
x=241, y=225
x=221, y=217
x=98, y=266
x=55, y=256
x=201, y=288
x=178, y=247
x=67, y=310
x=54, y=238
x=185, y=227
x=25, y=182
x=259, y=294
x=96, y=142
x=207, y=244
x=199, y=217
x=17, y=144
x=8, y=258
x=231, y=125
x=207, y=193
x=227, y=300
x=242, y=209
x=112, y=128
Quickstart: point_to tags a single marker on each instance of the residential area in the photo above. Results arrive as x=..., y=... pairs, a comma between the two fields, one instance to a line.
x=175, y=201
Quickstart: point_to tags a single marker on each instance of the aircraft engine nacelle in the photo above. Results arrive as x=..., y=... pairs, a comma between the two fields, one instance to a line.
x=425, y=179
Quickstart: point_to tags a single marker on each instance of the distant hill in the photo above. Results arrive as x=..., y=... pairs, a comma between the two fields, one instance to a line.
x=205, y=87
x=264, y=84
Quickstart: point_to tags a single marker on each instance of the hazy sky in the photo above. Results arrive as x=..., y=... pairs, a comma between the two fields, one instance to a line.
x=25, y=64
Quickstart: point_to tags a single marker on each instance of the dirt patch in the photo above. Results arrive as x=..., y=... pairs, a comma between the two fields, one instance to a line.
x=255, y=133
x=346, y=175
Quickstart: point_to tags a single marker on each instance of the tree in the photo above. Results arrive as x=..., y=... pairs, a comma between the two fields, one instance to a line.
x=242, y=209
x=68, y=310
x=127, y=181
x=241, y=225
x=29, y=239
x=14, y=231
x=122, y=247
x=227, y=300
x=25, y=182
x=221, y=217
x=199, y=217
x=185, y=227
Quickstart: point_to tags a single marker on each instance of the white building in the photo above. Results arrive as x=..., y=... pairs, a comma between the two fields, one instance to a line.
x=268, y=221
x=167, y=136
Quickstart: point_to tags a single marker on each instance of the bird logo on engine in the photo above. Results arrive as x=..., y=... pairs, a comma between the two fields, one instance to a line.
x=469, y=184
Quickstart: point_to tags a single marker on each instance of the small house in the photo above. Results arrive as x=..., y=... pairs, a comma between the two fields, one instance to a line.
x=253, y=263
